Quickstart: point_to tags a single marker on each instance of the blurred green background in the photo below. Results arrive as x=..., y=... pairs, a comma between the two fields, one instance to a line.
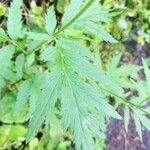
x=131, y=28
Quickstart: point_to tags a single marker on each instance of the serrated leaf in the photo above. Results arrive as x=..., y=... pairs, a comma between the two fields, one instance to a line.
x=19, y=66
x=92, y=13
x=138, y=126
x=3, y=36
x=73, y=8
x=147, y=73
x=126, y=70
x=73, y=115
x=126, y=117
x=114, y=63
x=99, y=32
x=35, y=91
x=75, y=47
x=14, y=19
x=80, y=98
x=50, y=20
x=38, y=36
x=145, y=121
x=22, y=96
x=48, y=53
x=30, y=60
x=91, y=95
x=92, y=72
x=6, y=53
x=50, y=93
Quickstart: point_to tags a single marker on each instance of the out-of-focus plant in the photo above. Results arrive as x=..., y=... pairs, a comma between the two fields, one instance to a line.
x=56, y=72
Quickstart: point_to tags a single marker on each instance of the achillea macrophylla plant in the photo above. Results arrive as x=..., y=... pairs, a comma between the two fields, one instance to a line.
x=54, y=73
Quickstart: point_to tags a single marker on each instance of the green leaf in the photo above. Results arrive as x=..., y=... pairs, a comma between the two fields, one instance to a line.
x=50, y=20
x=81, y=99
x=99, y=32
x=19, y=66
x=126, y=117
x=14, y=22
x=147, y=73
x=92, y=72
x=126, y=70
x=75, y=47
x=74, y=115
x=114, y=63
x=3, y=36
x=61, y=4
x=138, y=126
x=22, y=96
x=73, y=8
x=48, y=53
x=7, y=104
x=35, y=91
x=145, y=121
x=38, y=36
x=141, y=118
x=50, y=93
x=30, y=60
x=6, y=53
x=14, y=132
x=2, y=9
x=97, y=100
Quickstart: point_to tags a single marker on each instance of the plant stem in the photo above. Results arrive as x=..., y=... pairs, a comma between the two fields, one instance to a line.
x=67, y=25
x=75, y=18
x=143, y=101
x=126, y=101
x=14, y=43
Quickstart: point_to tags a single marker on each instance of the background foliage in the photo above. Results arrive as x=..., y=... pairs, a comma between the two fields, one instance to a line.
x=130, y=26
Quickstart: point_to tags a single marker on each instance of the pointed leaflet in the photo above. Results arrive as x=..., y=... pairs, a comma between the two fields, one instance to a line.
x=92, y=72
x=99, y=32
x=49, y=52
x=126, y=70
x=83, y=67
x=14, y=19
x=50, y=20
x=114, y=63
x=6, y=53
x=126, y=117
x=73, y=8
x=73, y=116
x=35, y=91
x=38, y=36
x=19, y=66
x=81, y=99
x=147, y=73
x=50, y=93
x=3, y=36
x=138, y=125
x=30, y=60
x=22, y=96
x=95, y=99
x=76, y=48
x=92, y=13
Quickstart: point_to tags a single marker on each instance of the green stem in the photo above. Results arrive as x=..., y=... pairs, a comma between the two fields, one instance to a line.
x=143, y=101
x=75, y=18
x=66, y=26
x=127, y=101
x=14, y=43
